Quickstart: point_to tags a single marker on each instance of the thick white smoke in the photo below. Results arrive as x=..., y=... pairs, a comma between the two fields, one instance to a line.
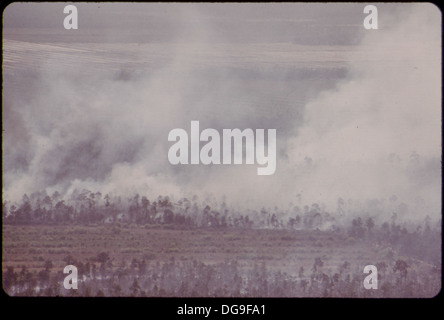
x=374, y=135
x=377, y=134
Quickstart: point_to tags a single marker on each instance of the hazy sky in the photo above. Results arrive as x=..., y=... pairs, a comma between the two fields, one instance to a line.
x=357, y=112
x=171, y=21
x=34, y=15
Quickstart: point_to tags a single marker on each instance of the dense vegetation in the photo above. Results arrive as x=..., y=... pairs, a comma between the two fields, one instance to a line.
x=196, y=279
x=408, y=253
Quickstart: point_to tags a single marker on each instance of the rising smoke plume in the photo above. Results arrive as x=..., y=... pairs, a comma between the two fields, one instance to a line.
x=372, y=132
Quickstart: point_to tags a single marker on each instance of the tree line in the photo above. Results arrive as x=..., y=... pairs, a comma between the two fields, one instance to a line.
x=422, y=239
x=102, y=276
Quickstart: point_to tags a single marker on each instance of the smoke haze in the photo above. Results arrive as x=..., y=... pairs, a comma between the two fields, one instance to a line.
x=357, y=112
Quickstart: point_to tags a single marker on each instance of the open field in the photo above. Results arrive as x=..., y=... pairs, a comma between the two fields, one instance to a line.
x=282, y=250
x=164, y=260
